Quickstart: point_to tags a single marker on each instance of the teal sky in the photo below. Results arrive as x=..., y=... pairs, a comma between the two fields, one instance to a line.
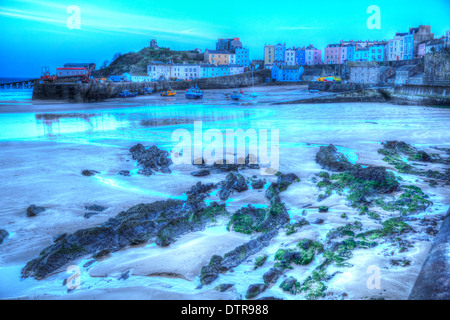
x=35, y=33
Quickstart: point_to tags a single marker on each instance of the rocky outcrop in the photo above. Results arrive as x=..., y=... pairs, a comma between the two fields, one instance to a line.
x=234, y=258
x=34, y=210
x=151, y=159
x=163, y=221
x=285, y=180
x=433, y=282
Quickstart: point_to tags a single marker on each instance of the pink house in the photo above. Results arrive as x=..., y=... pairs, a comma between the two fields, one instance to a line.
x=312, y=56
x=333, y=54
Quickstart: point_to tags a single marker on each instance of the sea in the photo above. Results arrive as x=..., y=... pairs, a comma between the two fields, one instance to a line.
x=15, y=96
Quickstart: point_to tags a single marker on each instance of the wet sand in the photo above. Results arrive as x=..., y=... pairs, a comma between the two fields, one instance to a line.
x=42, y=158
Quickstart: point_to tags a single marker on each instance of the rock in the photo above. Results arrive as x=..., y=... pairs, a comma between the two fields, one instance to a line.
x=34, y=210
x=250, y=219
x=385, y=181
x=95, y=207
x=290, y=285
x=201, y=173
x=234, y=258
x=89, y=173
x=222, y=165
x=59, y=237
x=318, y=221
x=285, y=180
x=233, y=182
x=134, y=226
x=271, y=276
x=87, y=215
x=273, y=194
x=433, y=280
x=151, y=159
x=258, y=184
x=125, y=173
x=329, y=158
x=3, y=235
x=125, y=275
x=323, y=209
x=254, y=290
x=224, y=287
x=210, y=272
x=101, y=254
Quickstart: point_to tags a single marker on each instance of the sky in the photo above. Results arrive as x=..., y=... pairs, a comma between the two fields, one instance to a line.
x=40, y=33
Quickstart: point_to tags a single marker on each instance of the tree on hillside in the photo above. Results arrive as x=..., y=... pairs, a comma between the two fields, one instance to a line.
x=104, y=64
x=116, y=55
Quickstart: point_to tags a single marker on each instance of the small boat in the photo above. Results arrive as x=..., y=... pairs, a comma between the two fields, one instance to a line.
x=127, y=94
x=236, y=95
x=194, y=93
x=147, y=90
x=168, y=93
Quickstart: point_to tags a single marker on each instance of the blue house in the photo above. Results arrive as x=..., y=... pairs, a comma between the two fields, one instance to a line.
x=287, y=73
x=223, y=70
x=300, y=57
x=242, y=57
x=280, y=51
x=376, y=53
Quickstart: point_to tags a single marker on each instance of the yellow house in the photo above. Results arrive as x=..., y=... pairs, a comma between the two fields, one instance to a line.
x=217, y=57
x=269, y=54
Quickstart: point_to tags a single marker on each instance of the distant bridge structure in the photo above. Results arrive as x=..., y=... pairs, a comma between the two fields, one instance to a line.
x=22, y=84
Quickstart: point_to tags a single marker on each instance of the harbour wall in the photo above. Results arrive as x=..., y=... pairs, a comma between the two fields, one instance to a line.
x=95, y=92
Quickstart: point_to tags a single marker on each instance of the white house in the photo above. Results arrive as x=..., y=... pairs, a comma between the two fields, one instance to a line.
x=289, y=57
x=185, y=71
x=236, y=69
x=136, y=77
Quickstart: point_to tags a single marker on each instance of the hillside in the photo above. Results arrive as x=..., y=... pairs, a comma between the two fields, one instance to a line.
x=136, y=62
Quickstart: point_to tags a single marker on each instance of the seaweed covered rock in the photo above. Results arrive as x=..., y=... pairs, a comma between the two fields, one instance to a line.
x=290, y=285
x=329, y=158
x=258, y=184
x=151, y=159
x=254, y=290
x=211, y=272
x=285, y=180
x=302, y=255
x=250, y=219
x=3, y=235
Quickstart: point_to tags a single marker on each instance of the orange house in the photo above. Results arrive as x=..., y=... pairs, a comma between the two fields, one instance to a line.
x=217, y=57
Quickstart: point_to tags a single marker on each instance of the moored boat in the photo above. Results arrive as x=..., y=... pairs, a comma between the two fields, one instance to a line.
x=127, y=94
x=168, y=93
x=194, y=93
x=235, y=95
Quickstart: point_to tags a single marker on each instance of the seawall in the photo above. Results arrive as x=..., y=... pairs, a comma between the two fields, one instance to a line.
x=428, y=95
x=95, y=92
